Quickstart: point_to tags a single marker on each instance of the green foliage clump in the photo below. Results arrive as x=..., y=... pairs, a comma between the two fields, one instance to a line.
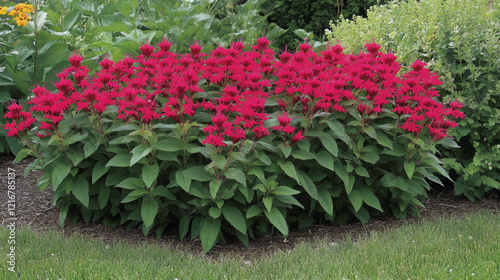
x=458, y=39
x=311, y=18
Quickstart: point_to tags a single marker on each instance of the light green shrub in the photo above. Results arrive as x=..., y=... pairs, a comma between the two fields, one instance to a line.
x=460, y=40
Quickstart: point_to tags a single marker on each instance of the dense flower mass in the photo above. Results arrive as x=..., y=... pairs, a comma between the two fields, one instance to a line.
x=235, y=86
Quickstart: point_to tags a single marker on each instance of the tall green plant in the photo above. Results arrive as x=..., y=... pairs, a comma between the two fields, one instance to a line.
x=31, y=53
x=459, y=40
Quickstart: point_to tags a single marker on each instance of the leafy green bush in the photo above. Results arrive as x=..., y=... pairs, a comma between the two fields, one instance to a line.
x=236, y=141
x=459, y=39
x=300, y=17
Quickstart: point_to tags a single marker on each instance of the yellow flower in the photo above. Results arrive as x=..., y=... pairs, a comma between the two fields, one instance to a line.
x=3, y=10
x=21, y=21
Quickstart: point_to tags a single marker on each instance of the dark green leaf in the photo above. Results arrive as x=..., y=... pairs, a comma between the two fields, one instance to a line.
x=81, y=190
x=236, y=174
x=289, y=170
x=356, y=199
x=235, y=218
x=326, y=201
x=209, y=232
x=149, y=209
x=139, y=152
x=325, y=159
x=150, y=173
x=120, y=160
x=409, y=168
x=277, y=219
x=308, y=184
x=98, y=170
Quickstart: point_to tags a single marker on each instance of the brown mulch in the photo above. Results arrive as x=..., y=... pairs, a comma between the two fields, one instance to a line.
x=34, y=210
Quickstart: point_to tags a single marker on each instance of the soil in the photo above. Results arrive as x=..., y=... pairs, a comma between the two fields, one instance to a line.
x=33, y=209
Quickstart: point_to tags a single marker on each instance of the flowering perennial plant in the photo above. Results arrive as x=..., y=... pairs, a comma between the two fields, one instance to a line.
x=238, y=141
x=20, y=13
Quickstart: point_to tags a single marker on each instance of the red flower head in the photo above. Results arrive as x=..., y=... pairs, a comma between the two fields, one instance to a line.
x=362, y=108
x=285, y=57
x=14, y=111
x=296, y=138
x=195, y=49
x=147, y=49
x=260, y=132
x=262, y=43
x=305, y=47
x=372, y=48
x=418, y=65
x=165, y=45
x=75, y=60
x=284, y=120
x=337, y=49
x=237, y=46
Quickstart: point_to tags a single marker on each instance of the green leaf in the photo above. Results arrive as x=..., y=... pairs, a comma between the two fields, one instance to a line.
x=253, y=211
x=209, y=232
x=356, y=199
x=198, y=173
x=370, y=198
x=171, y=145
x=303, y=155
x=236, y=174
x=75, y=156
x=182, y=180
x=308, y=184
x=370, y=157
x=134, y=195
x=149, y=209
x=448, y=143
x=22, y=154
x=70, y=19
x=268, y=202
x=60, y=170
x=75, y=138
x=234, y=216
x=150, y=173
x=258, y=173
x=81, y=190
x=383, y=140
x=98, y=171
x=327, y=140
x=326, y=201
x=214, y=212
x=130, y=183
x=284, y=190
x=409, y=168
x=361, y=171
x=91, y=145
x=120, y=160
x=184, y=225
x=289, y=200
x=139, y=152
x=286, y=150
x=277, y=219
x=341, y=171
x=289, y=170
x=214, y=187
x=103, y=196
x=325, y=159
x=370, y=131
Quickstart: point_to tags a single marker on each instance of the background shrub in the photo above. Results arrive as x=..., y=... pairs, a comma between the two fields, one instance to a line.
x=459, y=39
x=311, y=18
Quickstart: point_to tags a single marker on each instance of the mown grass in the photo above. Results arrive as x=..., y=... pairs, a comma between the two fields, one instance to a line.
x=467, y=248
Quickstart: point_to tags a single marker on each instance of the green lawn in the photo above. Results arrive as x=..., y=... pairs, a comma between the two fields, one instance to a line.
x=467, y=248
